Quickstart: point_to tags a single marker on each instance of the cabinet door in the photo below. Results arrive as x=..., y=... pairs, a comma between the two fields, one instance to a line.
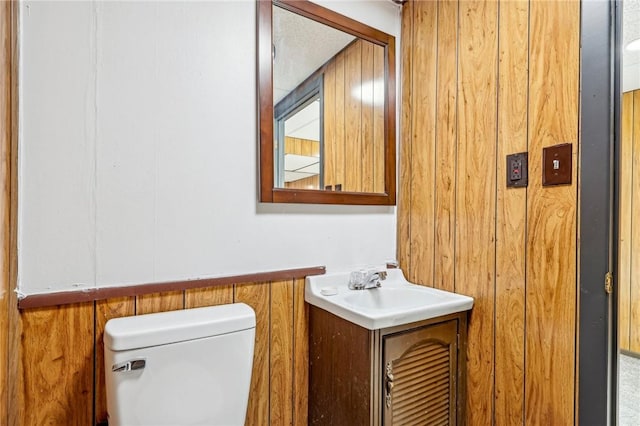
x=419, y=376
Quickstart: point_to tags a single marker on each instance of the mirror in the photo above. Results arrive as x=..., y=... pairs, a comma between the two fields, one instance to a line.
x=326, y=107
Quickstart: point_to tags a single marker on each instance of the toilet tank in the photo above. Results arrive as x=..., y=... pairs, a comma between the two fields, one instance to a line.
x=187, y=367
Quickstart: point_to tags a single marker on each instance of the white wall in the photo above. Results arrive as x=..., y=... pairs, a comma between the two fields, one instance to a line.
x=630, y=77
x=138, y=152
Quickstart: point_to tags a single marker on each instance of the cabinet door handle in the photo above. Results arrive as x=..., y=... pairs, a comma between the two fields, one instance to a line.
x=389, y=384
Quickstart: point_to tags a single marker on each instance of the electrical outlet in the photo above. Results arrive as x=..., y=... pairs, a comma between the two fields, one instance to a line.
x=517, y=165
x=515, y=170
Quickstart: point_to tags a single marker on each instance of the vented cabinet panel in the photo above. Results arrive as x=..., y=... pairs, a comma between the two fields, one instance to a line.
x=419, y=376
x=410, y=374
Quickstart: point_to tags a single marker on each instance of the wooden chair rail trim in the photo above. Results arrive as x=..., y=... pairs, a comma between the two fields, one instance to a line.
x=93, y=294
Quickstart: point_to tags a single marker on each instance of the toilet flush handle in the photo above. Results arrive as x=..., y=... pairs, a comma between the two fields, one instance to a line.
x=131, y=365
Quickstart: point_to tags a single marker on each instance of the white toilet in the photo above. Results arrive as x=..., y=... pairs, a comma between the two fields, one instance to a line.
x=179, y=368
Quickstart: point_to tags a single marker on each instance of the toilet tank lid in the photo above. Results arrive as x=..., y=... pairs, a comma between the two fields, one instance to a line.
x=163, y=328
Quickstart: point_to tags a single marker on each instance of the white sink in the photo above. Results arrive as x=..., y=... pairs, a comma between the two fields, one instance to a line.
x=397, y=302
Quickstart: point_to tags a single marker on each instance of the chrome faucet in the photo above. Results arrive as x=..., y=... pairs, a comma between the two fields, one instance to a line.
x=366, y=279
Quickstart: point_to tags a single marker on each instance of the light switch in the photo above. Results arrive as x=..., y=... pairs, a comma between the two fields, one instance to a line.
x=557, y=164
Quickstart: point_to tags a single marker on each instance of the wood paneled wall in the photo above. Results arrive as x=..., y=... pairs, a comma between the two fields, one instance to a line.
x=629, y=243
x=61, y=360
x=354, y=118
x=480, y=80
x=306, y=147
x=6, y=123
x=299, y=146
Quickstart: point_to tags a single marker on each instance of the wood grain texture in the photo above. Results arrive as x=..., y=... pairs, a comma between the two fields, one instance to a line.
x=626, y=222
x=511, y=216
x=348, y=111
x=634, y=264
x=329, y=117
x=257, y=295
x=340, y=113
x=446, y=153
x=300, y=355
x=300, y=146
x=312, y=182
x=159, y=302
x=378, y=120
x=551, y=215
x=353, y=118
x=426, y=395
x=367, y=164
x=265, y=99
x=56, y=366
x=5, y=201
x=212, y=296
x=403, y=228
x=423, y=92
x=15, y=380
x=104, y=311
x=104, y=293
x=59, y=345
x=476, y=196
x=514, y=251
x=281, y=353
x=340, y=396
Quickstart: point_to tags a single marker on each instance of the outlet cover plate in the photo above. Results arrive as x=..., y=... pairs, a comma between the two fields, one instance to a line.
x=517, y=170
x=557, y=164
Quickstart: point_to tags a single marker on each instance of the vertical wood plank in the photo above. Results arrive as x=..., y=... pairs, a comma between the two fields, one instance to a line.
x=281, y=353
x=15, y=380
x=5, y=200
x=340, y=121
x=305, y=183
x=306, y=147
x=446, y=136
x=367, y=159
x=551, y=235
x=634, y=270
x=626, y=197
x=300, y=355
x=329, y=117
x=200, y=297
x=378, y=119
x=423, y=141
x=511, y=214
x=353, y=118
x=476, y=196
x=258, y=297
x=159, y=302
x=105, y=310
x=56, y=365
x=301, y=146
x=403, y=242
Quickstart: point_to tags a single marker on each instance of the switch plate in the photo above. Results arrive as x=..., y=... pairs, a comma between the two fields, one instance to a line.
x=517, y=170
x=557, y=164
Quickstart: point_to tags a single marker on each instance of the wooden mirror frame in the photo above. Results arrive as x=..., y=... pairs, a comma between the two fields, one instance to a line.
x=268, y=192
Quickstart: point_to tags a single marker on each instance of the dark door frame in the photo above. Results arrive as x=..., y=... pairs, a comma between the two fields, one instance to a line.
x=599, y=150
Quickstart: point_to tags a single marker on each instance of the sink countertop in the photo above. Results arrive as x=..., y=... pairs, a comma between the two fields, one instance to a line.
x=396, y=302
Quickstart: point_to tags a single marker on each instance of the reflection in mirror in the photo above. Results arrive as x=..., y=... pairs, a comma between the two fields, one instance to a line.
x=326, y=115
x=302, y=162
x=328, y=89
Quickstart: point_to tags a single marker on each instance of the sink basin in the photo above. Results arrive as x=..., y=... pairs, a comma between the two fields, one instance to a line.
x=397, y=302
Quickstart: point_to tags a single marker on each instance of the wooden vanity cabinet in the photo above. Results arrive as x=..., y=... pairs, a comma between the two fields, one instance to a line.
x=409, y=374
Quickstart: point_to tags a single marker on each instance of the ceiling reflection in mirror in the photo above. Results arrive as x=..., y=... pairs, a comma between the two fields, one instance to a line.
x=329, y=102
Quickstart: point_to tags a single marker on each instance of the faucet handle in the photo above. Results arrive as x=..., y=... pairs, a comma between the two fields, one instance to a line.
x=356, y=279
